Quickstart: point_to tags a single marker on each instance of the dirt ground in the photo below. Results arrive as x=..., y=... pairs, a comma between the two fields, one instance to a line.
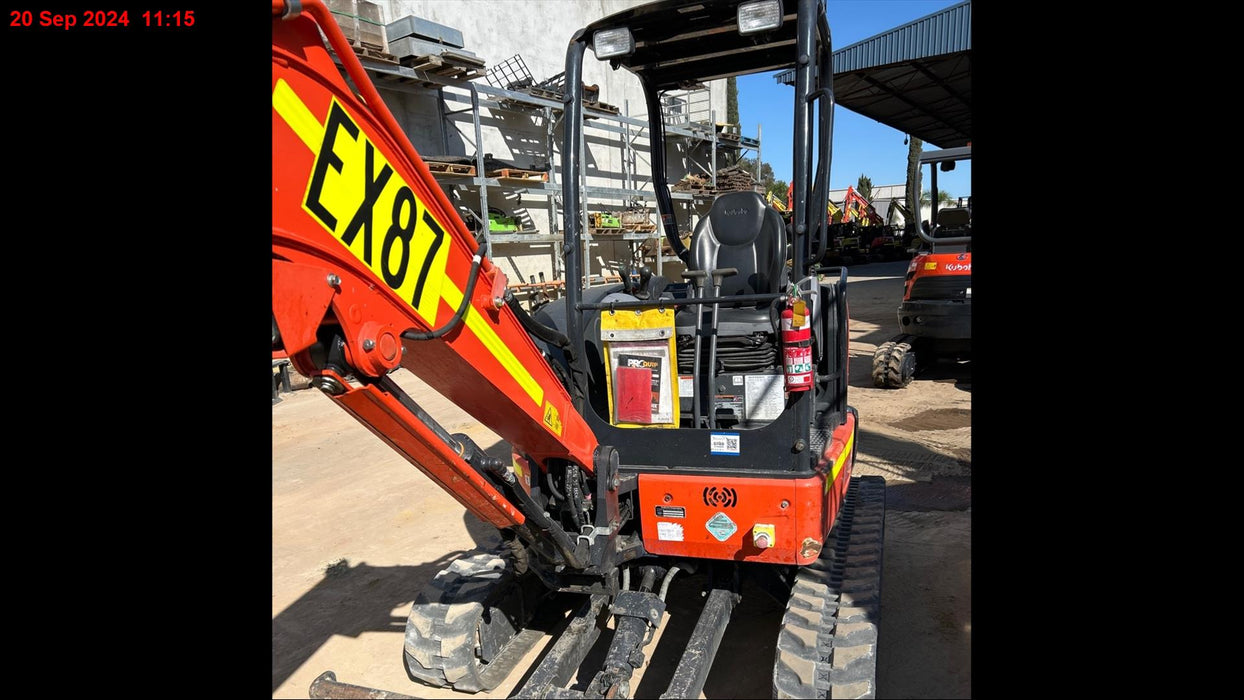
x=357, y=532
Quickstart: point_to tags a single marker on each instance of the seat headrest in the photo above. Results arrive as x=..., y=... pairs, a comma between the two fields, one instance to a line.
x=737, y=217
x=953, y=218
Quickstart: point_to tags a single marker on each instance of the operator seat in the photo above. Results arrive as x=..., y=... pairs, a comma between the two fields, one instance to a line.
x=952, y=223
x=742, y=232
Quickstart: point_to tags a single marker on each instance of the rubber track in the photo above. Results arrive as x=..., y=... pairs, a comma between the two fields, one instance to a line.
x=827, y=647
x=442, y=629
x=888, y=365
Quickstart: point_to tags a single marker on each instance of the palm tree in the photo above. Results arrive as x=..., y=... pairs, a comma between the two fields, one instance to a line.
x=913, y=178
x=944, y=198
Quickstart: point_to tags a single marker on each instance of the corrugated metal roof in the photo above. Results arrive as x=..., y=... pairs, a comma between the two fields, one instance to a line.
x=943, y=32
x=946, y=31
x=916, y=78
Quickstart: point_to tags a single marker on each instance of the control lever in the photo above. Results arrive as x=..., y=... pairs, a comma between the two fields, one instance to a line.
x=645, y=280
x=718, y=275
x=697, y=278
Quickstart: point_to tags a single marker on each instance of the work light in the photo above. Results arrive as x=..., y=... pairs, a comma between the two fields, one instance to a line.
x=759, y=16
x=608, y=43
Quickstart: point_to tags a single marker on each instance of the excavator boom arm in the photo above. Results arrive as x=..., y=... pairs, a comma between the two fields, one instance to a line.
x=859, y=209
x=372, y=270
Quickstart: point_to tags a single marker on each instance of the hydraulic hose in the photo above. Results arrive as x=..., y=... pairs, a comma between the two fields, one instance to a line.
x=473, y=277
x=549, y=335
x=548, y=481
x=665, y=585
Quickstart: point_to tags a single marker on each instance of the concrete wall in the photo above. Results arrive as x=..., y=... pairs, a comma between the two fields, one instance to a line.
x=539, y=31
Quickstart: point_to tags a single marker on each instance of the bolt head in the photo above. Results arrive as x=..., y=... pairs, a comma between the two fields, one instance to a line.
x=333, y=280
x=369, y=344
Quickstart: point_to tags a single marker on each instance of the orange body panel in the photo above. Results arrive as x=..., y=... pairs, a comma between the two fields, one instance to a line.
x=811, y=507
x=364, y=239
x=936, y=265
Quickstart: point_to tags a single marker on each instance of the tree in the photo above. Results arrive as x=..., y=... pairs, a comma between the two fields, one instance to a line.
x=943, y=198
x=864, y=186
x=913, y=179
x=732, y=101
x=778, y=189
x=766, y=179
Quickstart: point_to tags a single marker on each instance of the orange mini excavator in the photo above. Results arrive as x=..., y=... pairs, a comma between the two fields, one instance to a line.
x=656, y=426
x=935, y=315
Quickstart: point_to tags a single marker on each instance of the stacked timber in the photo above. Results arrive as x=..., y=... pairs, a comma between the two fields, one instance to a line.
x=735, y=179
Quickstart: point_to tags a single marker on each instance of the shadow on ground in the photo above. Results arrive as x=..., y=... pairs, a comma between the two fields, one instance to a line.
x=908, y=459
x=743, y=667
x=925, y=640
x=351, y=599
x=917, y=477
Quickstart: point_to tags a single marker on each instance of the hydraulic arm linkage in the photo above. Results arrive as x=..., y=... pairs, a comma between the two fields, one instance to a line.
x=372, y=270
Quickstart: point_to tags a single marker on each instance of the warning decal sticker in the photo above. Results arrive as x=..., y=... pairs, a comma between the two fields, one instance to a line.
x=721, y=526
x=669, y=531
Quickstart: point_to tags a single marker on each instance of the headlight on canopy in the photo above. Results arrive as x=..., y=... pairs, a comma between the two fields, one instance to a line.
x=608, y=43
x=759, y=16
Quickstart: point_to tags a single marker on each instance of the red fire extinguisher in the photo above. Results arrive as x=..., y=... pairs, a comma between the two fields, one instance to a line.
x=797, y=346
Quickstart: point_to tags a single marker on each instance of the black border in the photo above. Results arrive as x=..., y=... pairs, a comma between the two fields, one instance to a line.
x=138, y=191
x=139, y=201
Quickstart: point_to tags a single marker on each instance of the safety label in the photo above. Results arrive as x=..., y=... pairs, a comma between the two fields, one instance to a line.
x=686, y=387
x=721, y=526
x=723, y=443
x=670, y=531
x=552, y=418
x=764, y=396
x=357, y=195
x=729, y=403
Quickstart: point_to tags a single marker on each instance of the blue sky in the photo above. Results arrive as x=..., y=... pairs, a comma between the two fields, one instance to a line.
x=861, y=145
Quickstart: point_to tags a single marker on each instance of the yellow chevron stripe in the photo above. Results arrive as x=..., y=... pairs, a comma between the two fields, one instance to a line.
x=295, y=113
x=842, y=459
x=488, y=337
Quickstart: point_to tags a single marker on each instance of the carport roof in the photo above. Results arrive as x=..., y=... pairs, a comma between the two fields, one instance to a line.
x=916, y=78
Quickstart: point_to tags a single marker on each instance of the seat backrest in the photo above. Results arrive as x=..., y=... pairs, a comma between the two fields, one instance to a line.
x=953, y=218
x=741, y=231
